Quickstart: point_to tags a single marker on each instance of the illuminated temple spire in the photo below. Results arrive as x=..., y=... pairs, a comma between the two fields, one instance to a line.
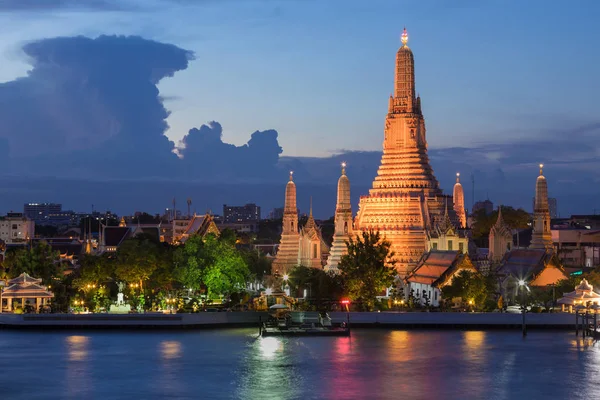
x=343, y=223
x=542, y=237
x=405, y=199
x=287, y=252
x=458, y=196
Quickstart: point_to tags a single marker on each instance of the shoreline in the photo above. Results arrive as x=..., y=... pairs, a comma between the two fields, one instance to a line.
x=249, y=319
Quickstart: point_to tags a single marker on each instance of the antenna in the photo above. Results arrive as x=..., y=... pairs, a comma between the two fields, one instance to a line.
x=189, y=204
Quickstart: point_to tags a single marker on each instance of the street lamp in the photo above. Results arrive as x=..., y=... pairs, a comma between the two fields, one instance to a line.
x=523, y=287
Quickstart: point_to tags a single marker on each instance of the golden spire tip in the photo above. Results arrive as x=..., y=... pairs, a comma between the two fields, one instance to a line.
x=291, y=175
x=404, y=38
x=343, y=167
x=541, y=169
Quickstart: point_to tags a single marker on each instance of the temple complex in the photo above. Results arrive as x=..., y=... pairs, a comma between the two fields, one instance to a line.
x=405, y=199
x=458, y=196
x=343, y=223
x=289, y=244
x=542, y=237
x=312, y=249
x=500, y=239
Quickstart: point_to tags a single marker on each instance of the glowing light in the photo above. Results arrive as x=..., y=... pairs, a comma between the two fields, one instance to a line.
x=344, y=164
x=345, y=301
x=458, y=174
x=269, y=347
x=521, y=282
x=404, y=38
x=286, y=277
x=268, y=291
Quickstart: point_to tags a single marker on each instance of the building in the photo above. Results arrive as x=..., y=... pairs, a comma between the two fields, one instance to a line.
x=343, y=223
x=179, y=230
x=405, y=199
x=577, y=248
x=444, y=236
x=458, y=196
x=534, y=267
x=500, y=240
x=436, y=270
x=289, y=244
x=40, y=212
x=276, y=213
x=237, y=214
x=312, y=249
x=583, y=295
x=542, y=237
x=25, y=291
x=111, y=237
x=15, y=228
x=486, y=205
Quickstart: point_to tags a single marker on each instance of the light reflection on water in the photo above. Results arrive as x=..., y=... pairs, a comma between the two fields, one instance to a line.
x=236, y=364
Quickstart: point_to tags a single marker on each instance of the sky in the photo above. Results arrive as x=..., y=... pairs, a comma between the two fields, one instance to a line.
x=107, y=91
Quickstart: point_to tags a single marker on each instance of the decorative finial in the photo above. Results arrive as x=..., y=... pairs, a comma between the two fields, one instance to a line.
x=344, y=168
x=458, y=177
x=541, y=169
x=291, y=175
x=404, y=38
x=310, y=210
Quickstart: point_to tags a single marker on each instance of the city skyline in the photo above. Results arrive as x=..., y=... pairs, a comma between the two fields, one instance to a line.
x=96, y=109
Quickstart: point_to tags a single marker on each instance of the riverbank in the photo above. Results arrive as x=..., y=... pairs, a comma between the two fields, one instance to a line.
x=404, y=320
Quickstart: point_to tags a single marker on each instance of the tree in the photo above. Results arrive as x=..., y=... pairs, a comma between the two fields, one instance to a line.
x=257, y=263
x=482, y=222
x=225, y=269
x=94, y=270
x=469, y=286
x=323, y=288
x=137, y=259
x=368, y=268
x=189, y=262
x=39, y=261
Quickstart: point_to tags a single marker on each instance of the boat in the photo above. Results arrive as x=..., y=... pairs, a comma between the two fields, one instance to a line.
x=284, y=322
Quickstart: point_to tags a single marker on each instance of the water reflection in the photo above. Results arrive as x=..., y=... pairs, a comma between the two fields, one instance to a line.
x=475, y=358
x=170, y=349
x=77, y=347
x=269, y=346
x=271, y=369
x=78, y=374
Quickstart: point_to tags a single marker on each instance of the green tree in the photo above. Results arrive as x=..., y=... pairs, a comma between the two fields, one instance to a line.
x=39, y=261
x=137, y=259
x=94, y=270
x=368, y=268
x=225, y=269
x=322, y=288
x=482, y=222
x=189, y=262
x=258, y=264
x=470, y=286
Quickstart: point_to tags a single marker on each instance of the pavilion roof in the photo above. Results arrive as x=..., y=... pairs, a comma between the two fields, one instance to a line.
x=24, y=278
x=433, y=266
x=30, y=290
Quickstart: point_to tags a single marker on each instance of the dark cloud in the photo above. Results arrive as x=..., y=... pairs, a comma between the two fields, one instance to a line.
x=207, y=157
x=91, y=106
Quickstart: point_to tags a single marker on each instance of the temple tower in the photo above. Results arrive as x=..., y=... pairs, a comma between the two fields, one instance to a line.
x=343, y=223
x=500, y=239
x=458, y=196
x=312, y=247
x=542, y=237
x=287, y=253
x=405, y=199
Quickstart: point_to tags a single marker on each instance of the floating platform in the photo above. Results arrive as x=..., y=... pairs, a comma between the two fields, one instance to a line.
x=300, y=331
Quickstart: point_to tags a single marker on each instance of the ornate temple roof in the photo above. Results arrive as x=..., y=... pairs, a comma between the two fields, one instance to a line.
x=437, y=266
x=500, y=227
x=527, y=263
x=584, y=293
x=25, y=286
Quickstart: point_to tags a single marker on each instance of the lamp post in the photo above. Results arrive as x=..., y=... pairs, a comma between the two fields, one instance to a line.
x=522, y=287
x=286, y=287
x=2, y=284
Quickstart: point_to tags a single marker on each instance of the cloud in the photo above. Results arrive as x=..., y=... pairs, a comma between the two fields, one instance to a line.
x=91, y=105
x=205, y=155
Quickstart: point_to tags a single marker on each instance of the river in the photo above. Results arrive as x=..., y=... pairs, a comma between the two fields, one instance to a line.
x=236, y=364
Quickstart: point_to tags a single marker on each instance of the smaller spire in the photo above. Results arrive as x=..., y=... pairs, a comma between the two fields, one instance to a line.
x=291, y=175
x=458, y=177
x=310, y=209
x=404, y=38
x=343, y=167
x=541, y=169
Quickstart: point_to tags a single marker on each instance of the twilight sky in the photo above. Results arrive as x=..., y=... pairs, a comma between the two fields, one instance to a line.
x=504, y=85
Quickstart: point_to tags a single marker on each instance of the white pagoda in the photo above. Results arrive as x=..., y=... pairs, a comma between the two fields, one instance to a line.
x=583, y=295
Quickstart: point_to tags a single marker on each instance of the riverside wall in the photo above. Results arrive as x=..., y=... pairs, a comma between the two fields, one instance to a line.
x=401, y=320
